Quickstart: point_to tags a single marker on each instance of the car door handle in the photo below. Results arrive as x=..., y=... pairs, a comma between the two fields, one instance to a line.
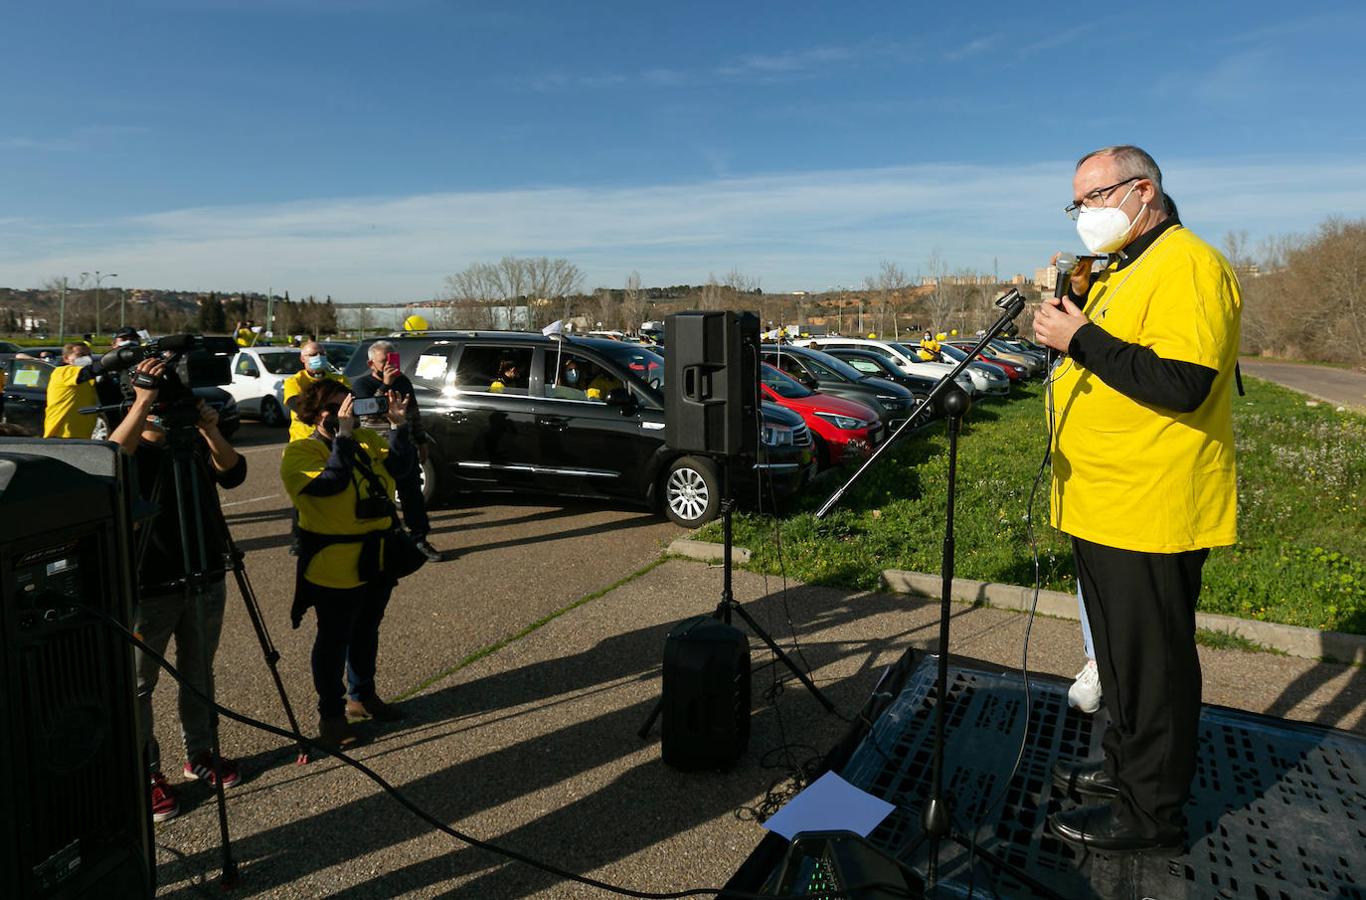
x=559, y=423
x=458, y=417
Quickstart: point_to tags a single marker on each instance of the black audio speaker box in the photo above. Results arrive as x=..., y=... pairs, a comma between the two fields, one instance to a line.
x=711, y=379
x=705, y=697
x=73, y=787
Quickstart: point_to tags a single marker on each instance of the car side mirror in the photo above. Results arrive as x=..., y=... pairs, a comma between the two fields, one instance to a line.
x=621, y=397
x=809, y=380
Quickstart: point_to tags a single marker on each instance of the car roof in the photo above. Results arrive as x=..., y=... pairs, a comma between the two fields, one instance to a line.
x=533, y=337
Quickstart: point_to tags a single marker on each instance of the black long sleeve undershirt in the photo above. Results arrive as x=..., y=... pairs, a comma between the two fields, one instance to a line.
x=1139, y=373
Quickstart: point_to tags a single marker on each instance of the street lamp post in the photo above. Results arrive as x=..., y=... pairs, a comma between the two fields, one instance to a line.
x=99, y=277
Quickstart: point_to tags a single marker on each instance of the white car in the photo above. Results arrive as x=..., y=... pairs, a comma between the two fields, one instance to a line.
x=258, y=375
x=901, y=355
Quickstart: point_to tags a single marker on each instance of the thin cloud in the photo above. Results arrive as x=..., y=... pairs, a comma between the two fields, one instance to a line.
x=807, y=230
x=974, y=47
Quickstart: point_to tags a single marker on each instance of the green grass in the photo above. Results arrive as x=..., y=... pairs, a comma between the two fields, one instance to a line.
x=1302, y=512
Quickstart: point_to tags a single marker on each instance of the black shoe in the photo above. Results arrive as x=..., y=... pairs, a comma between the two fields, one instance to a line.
x=1098, y=828
x=427, y=550
x=374, y=708
x=1088, y=779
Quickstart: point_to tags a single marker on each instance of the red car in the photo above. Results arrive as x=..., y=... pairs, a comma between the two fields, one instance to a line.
x=844, y=430
x=1013, y=371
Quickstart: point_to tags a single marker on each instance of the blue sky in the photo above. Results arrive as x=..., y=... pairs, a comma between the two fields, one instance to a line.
x=367, y=149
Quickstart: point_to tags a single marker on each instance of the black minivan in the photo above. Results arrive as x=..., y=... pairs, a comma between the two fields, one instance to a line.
x=571, y=416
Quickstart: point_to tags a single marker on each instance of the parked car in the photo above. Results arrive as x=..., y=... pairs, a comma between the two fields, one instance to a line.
x=1012, y=371
x=25, y=400
x=339, y=353
x=986, y=378
x=844, y=430
x=822, y=372
x=879, y=366
x=902, y=356
x=603, y=436
x=257, y=372
x=1032, y=362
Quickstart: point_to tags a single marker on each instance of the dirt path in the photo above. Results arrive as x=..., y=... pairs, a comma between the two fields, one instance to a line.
x=1342, y=387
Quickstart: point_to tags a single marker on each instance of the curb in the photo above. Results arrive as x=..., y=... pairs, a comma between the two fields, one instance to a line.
x=1293, y=640
x=706, y=551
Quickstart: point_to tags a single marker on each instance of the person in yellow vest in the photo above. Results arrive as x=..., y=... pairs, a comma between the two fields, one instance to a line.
x=316, y=368
x=341, y=480
x=1143, y=483
x=71, y=387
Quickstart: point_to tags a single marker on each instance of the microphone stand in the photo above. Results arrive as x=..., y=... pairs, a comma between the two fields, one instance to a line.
x=937, y=815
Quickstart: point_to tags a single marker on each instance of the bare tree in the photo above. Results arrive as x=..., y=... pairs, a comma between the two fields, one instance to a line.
x=633, y=303
x=712, y=294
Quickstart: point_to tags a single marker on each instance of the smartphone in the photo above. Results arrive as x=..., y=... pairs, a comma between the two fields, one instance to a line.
x=370, y=406
x=392, y=360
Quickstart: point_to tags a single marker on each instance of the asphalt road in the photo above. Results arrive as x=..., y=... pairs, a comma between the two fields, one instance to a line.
x=511, y=562
x=1342, y=387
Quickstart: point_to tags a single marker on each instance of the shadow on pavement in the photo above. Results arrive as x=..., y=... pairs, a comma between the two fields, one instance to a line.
x=644, y=805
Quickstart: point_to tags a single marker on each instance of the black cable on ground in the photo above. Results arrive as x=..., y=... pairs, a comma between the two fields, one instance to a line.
x=431, y=820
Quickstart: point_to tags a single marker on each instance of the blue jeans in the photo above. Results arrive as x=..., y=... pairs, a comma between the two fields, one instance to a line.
x=347, y=641
x=157, y=619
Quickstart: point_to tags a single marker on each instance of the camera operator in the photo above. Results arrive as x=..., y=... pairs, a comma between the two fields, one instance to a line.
x=70, y=388
x=382, y=377
x=341, y=481
x=164, y=609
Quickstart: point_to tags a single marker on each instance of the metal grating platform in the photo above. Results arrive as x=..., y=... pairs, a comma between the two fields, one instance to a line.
x=1278, y=809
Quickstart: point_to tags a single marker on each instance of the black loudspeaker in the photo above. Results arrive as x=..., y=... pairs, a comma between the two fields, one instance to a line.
x=711, y=378
x=73, y=786
x=705, y=697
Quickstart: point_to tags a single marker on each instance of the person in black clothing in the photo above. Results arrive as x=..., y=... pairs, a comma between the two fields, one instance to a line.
x=381, y=378
x=164, y=608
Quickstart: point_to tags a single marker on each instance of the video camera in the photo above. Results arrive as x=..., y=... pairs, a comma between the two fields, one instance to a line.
x=192, y=361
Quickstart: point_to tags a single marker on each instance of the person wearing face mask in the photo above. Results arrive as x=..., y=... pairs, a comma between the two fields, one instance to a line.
x=70, y=388
x=315, y=369
x=1143, y=483
x=341, y=480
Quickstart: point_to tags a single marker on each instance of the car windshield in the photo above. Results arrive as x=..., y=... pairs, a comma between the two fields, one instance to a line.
x=841, y=368
x=645, y=365
x=952, y=352
x=783, y=385
x=282, y=363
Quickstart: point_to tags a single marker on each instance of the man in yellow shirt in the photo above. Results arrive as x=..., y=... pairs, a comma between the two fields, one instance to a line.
x=71, y=387
x=1143, y=482
x=316, y=368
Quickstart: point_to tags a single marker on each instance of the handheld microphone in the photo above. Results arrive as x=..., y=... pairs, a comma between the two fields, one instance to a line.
x=1067, y=264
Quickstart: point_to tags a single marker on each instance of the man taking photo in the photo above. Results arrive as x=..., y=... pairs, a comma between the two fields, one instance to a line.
x=1143, y=482
x=165, y=608
x=383, y=377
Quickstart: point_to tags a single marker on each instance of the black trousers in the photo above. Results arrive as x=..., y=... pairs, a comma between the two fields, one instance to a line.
x=1142, y=612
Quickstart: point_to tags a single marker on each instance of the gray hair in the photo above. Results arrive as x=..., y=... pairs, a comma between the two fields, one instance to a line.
x=1132, y=162
x=380, y=349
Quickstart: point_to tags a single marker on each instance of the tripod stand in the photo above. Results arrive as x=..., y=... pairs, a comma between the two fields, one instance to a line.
x=729, y=605
x=183, y=474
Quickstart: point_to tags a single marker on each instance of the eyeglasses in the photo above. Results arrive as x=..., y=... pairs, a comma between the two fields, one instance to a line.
x=1095, y=198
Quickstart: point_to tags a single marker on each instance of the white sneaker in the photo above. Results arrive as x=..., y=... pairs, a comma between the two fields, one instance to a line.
x=1084, y=694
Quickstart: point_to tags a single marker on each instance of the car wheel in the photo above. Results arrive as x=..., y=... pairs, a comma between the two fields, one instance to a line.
x=691, y=491
x=426, y=476
x=271, y=413
x=101, y=432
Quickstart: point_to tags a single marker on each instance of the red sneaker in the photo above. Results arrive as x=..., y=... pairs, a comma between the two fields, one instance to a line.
x=201, y=766
x=164, y=805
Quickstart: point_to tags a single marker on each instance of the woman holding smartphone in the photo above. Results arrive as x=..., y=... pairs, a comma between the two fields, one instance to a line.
x=341, y=481
x=384, y=375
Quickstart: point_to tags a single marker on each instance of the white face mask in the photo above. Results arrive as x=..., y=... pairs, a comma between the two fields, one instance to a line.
x=1105, y=229
x=83, y=361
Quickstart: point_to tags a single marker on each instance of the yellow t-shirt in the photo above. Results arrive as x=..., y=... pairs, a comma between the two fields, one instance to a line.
x=336, y=566
x=1134, y=476
x=64, y=397
x=294, y=385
